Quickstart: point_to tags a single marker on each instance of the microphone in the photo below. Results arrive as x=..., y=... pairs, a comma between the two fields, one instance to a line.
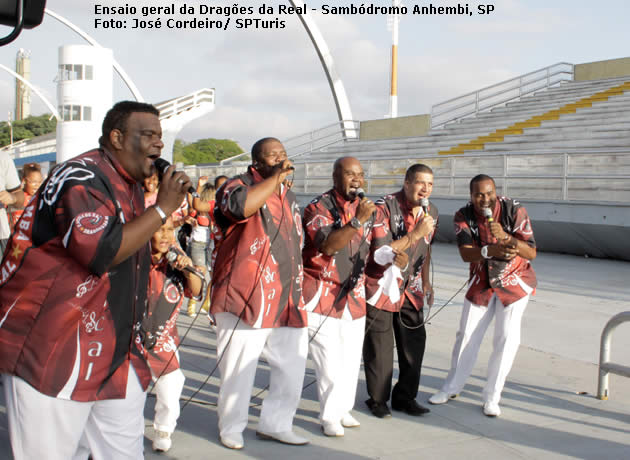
x=360, y=193
x=424, y=202
x=162, y=165
x=488, y=214
x=171, y=257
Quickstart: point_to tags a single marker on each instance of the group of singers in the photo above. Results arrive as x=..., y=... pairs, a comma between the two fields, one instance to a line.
x=91, y=284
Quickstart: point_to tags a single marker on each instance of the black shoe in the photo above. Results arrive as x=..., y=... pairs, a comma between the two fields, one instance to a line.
x=410, y=407
x=379, y=410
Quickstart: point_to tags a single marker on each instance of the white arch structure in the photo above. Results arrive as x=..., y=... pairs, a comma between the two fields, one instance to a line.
x=342, y=103
x=334, y=80
x=34, y=89
x=117, y=67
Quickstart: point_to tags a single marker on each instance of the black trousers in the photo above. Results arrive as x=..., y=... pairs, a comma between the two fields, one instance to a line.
x=378, y=352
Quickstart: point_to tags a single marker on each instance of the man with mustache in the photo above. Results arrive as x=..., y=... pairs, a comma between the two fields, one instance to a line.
x=257, y=297
x=495, y=236
x=73, y=293
x=338, y=231
x=407, y=227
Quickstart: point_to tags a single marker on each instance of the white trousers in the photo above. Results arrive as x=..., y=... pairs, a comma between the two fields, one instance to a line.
x=239, y=346
x=168, y=389
x=472, y=328
x=43, y=427
x=336, y=346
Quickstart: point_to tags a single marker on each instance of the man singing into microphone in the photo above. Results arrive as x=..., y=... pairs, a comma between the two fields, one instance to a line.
x=256, y=297
x=73, y=294
x=338, y=231
x=407, y=228
x=499, y=246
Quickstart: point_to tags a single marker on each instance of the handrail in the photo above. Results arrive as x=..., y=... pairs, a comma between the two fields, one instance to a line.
x=605, y=366
x=334, y=133
x=181, y=104
x=475, y=98
x=565, y=181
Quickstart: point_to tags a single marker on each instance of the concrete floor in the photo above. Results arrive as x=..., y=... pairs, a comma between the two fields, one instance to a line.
x=549, y=406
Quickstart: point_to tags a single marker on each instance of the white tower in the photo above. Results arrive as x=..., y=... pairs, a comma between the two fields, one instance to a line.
x=22, y=92
x=84, y=95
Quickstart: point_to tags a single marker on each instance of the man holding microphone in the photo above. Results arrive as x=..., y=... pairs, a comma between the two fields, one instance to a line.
x=257, y=297
x=406, y=231
x=495, y=236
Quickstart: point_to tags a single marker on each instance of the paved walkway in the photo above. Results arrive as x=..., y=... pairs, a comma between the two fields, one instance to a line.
x=549, y=406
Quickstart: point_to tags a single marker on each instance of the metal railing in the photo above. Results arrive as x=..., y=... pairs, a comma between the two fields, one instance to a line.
x=605, y=366
x=307, y=143
x=24, y=148
x=577, y=176
x=499, y=93
x=335, y=133
x=179, y=105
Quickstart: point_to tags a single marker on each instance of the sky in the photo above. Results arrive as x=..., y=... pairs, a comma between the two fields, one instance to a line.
x=269, y=82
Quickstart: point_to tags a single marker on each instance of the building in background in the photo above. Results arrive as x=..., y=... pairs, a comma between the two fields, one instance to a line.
x=22, y=92
x=84, y=94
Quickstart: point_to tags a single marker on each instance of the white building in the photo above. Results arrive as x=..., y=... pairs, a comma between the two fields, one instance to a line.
x=84, y=95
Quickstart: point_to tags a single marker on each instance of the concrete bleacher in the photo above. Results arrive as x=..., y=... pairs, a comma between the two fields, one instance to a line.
x=594, y=124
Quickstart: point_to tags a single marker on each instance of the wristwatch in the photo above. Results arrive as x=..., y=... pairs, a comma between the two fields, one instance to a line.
x=484, y=252
x=355, y=223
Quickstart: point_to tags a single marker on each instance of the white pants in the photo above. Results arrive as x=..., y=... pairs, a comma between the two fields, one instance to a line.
x=168, y=389
x=336, y=349
x=43, y=427
x=239, y=346
x=507, y=338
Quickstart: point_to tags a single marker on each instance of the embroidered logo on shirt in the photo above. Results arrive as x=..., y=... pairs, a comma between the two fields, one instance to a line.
x=171, y=293
x=90, y=223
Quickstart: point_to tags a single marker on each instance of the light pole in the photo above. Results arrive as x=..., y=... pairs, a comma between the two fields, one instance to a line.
x=394, y=20
x=10, y=127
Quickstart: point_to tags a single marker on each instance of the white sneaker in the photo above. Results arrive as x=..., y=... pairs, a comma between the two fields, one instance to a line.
x=162, y=441
x=332, y=429
x=233, y=440
x=491, y=409
x=285, y=437
x=441, y=397
x=349, y=421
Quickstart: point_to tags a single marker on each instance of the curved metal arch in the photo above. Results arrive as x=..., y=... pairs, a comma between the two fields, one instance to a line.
x=117, y=67
x=334, y=80
x=35, y=90
x=342, y=104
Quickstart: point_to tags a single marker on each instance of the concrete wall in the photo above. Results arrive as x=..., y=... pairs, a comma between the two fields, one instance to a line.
x=602, y=69
x=388, y=128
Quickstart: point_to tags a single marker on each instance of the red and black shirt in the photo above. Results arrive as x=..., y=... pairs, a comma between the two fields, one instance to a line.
x=258, y=268
x=509, y=280
x=167, y=288
x=394, y=222
x=69, y=320
x=334, y=285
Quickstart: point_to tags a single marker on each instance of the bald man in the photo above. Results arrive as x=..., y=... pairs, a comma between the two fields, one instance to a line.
x=337, y=235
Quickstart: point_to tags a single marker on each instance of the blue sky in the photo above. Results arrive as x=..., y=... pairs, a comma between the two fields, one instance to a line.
x=270, y=82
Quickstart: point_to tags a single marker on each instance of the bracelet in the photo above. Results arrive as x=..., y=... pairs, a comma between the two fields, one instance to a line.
x=161, y=213
x=484, y=252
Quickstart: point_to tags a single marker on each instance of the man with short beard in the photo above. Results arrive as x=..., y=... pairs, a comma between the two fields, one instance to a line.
x=338, y=232
x=495, y=236
x=407, y=230
x=257, y=297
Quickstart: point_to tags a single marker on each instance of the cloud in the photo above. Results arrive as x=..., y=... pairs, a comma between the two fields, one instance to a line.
x=270, y=81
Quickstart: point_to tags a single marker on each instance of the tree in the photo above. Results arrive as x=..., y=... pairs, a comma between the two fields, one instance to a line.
x=205, y=151
x=27, y=129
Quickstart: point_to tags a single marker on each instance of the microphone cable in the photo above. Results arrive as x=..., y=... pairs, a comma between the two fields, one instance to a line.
x=332, y=306
x=254, y=286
